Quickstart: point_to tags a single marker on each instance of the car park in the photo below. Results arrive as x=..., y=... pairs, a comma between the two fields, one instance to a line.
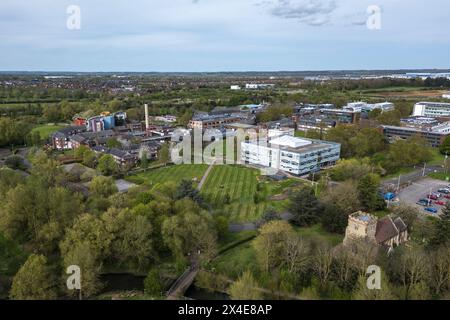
x=432, y=210
x=440, y=203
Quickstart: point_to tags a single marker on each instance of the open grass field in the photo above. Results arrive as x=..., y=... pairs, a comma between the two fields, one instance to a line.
x=155, y=178
x=46, y=130
x=237, y=183
x=242, y=185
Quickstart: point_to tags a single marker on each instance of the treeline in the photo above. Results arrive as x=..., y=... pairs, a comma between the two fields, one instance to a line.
x=291, y=266
x=135, y=231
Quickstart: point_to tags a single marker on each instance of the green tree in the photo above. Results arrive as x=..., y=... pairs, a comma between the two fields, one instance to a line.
x=107, y=165
x=245, y=288
x=362, y=292
x=368, y=193
x=270, y=244
x=304, y=206
x=153, y=284
x=164, y=154
x=334, y=219
x=34, y=281
x=83, y=256
x=102, y=186
x=113, y=143
x=189, y=234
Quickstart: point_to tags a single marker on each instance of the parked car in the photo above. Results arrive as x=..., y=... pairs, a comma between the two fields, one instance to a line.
x=444, y=190
x=440, y=203
x=432, y=210
x=424, y=202
x=432, y=197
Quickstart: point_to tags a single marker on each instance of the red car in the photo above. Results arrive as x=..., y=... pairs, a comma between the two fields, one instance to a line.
x=432, y=197
x=440, y=203
x=447, y=196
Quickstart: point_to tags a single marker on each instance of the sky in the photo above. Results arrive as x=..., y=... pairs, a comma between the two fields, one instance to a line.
x=223, y=35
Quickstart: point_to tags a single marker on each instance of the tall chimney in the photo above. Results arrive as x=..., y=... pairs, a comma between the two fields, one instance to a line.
x=147, y=124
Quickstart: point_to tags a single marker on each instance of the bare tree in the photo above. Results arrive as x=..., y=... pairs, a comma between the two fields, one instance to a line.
x=322, y=263
x=296, y=254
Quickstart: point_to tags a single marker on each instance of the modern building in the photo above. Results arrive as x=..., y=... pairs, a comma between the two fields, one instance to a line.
x=290, y=154
x=432, y=109
x=434, y=135
x=235, y=87
x=387, y=232
x=446, y=95
x=341, y=116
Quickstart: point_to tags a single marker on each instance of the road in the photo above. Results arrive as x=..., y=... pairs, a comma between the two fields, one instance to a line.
x=412, y=176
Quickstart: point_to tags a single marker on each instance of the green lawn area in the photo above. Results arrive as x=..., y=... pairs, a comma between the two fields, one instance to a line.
x=440, y=176
x=241, y=185
x=177, y=173
x=316, y=232
x=438, y=158
x=46, y=130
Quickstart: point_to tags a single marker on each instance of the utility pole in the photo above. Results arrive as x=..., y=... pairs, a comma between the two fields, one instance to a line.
x=398, y=184
x=424, y=168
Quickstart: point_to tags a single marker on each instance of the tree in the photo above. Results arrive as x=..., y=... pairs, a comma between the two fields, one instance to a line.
x=190, y=234
x=414, y=271
x=369, y=197
x=164, y=154
x=112, y=143
x=152, y=284
x=322, y=263
x=334, y=219
x=362, y=292
x=245, y=288
x=304, y=206
x=144, y=161
x=102, y=186
x=15, y=162
x=445, y=146
x=344, y=196
x=107, y=165
x=270, y=244
x=34, y=281
x=186, y=190
x=347, y=169
x=83, y=255
x=131, y=238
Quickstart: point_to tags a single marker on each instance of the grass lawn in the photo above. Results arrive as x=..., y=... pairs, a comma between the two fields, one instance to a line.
x=316, y=232
x=241, y=185
x=440, y=176
x=438, y=158
x=46, y=130
x=177, y=173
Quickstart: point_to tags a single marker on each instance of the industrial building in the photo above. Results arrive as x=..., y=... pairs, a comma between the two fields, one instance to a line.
x=294, y=155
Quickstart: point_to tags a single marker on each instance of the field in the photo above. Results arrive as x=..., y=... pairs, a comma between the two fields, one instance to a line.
x=248, y=194
x=176, y=174
x=46, y=130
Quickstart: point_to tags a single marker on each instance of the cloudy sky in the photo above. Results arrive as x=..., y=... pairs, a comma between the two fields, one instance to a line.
x=223, y=35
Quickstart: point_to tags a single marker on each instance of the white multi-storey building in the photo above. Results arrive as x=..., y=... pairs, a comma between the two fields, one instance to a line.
x=294, y=155
x=432, y=109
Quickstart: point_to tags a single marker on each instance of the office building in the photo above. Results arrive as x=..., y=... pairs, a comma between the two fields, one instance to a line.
x=290, y=154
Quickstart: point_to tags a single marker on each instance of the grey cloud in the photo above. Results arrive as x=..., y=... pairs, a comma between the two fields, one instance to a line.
x=310, y=12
